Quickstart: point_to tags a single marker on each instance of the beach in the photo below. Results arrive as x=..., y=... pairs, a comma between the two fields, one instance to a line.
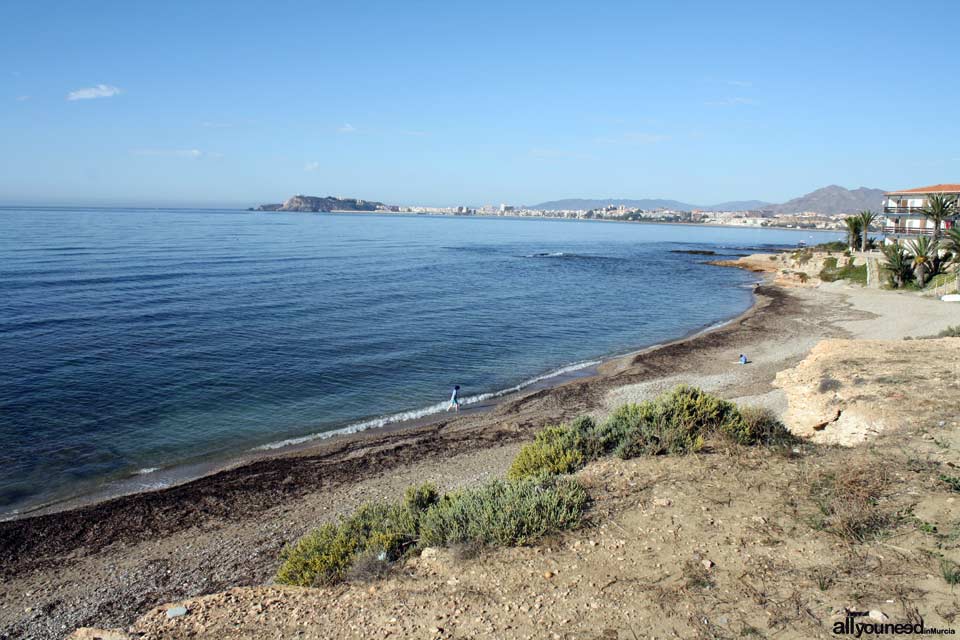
x=107, y=563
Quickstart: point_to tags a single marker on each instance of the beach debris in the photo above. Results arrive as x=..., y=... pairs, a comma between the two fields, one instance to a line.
x=662, y=502
x=176, y=612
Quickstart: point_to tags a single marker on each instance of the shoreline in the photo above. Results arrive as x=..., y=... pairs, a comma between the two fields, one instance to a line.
x=159, y=479
x=108, y=563
x=61, y=526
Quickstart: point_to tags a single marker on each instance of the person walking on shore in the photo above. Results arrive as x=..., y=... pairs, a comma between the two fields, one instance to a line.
x=455, y=398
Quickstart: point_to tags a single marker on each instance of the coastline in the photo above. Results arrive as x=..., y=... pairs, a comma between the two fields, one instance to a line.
x=17, y=531
x=109, y=562
x=154, y=480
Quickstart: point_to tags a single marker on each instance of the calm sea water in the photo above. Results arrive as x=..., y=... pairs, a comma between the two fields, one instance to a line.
x=131, y=341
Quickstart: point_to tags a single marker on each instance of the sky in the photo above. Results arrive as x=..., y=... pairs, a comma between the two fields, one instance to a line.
x=238, y=103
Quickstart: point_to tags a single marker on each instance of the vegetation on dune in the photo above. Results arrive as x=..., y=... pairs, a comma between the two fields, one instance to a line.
x=535, y=500
x=376, y=534
x=678, y=422
x=505, y=513
x=852, y=501
x=832, y=271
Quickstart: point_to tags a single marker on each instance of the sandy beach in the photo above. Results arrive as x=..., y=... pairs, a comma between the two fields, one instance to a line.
x=107, y=563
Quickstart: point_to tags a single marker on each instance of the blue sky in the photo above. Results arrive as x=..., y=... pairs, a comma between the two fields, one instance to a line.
x=238, y=103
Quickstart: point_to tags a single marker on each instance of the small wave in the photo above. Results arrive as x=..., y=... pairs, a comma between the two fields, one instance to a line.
x=415, y=414
x=554, y=254
x=145, y=471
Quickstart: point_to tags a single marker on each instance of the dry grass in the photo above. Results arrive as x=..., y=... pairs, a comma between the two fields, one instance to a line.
x=853, y=500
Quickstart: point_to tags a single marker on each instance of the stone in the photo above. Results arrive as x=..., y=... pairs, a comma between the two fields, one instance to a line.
x=176, y=612
x=707, y=564
x=548, y=574
x=879, y=616
x=429, y=552
x=662, y=502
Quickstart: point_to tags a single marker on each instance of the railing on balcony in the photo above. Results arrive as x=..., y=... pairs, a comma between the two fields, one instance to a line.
x=892, y=230
x=913, y=210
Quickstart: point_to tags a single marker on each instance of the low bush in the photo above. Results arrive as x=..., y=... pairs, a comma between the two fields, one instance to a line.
x=950, y=332
x=556, y=450
x=378, y=530
x=364, y=544
x=833, y=246
x=504, y=513
x=676, y=422
x=849, y=272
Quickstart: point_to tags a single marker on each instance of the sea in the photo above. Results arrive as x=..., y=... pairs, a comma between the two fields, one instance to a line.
x=137, y=341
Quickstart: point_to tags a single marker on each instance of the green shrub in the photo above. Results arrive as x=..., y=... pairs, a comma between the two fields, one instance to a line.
x=830, y=263
x=504, y=513
x=364, y=543
x=383, y=530
x=679, y=422
x=849, y=272
x=554, y=451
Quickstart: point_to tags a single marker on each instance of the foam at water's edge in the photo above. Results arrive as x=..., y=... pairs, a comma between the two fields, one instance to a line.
x=415, y=414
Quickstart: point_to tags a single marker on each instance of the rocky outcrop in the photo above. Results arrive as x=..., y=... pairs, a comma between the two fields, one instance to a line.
x=848, y=391
x=329, y=203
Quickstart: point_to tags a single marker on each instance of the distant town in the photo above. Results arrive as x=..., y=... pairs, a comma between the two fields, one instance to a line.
x=825, y=208
x=747, y=218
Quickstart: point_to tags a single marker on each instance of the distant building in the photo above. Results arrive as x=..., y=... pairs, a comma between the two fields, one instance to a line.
x=901, y=210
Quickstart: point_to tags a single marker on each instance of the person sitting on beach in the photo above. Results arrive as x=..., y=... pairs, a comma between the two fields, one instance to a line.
x=743, y=359
x=455, y=398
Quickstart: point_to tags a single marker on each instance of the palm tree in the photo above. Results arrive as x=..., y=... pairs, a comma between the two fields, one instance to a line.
x=853, y=231
x=951, y=243
x=939, y=207
x=866, y=218
x=897, y=264
x=924, y=250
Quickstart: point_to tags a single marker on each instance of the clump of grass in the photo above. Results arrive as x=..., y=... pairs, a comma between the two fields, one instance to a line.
x=505, y=513
x=696, y=576
x=951, y=481
x=950, y=571
x=851, y=502
x=364, y=544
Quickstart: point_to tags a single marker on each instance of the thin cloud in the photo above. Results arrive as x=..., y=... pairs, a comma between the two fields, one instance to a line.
x=22, y=98
x=729, y=102
x=347, y=128
x=89, y=93
x=311, y=166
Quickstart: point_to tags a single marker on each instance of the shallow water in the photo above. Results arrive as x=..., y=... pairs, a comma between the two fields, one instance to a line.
x=133, y=340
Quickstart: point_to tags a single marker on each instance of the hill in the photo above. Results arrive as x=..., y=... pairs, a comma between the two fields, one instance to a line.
x=315, y=203
x=834, y=199
x=646, y=203
x=828, y=200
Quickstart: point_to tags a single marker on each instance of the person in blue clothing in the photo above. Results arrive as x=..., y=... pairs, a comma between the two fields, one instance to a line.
x=743, y=359
x=455, y=398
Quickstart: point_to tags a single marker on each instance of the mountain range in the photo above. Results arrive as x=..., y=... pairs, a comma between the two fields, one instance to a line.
x=832, y=199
